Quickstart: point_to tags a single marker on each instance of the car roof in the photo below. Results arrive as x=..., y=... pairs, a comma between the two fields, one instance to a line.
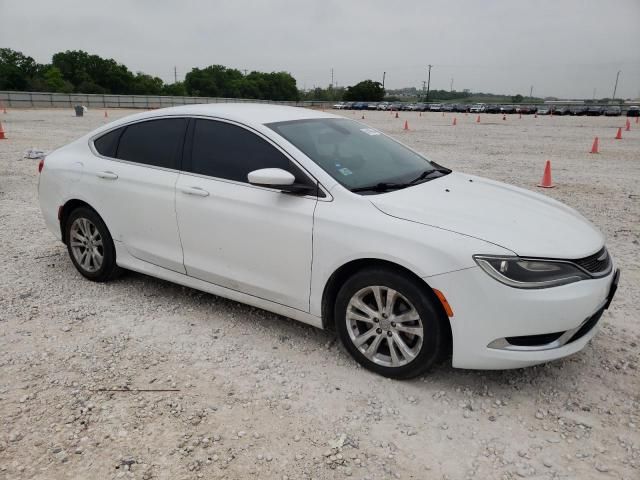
x=246, y=113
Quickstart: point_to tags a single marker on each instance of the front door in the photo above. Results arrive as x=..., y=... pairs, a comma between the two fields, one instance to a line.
x=247, y=238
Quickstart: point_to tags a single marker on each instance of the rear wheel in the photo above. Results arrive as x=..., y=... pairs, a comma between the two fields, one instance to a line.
x=90, y=245
x=389, y=324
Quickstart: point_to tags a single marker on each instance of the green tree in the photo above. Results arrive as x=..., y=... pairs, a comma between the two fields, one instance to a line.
x=174, y=89
x=144, y=84
x=517, y=98
x=16, y=70
x=367, y=90
x=55, y=82
x=92, y=73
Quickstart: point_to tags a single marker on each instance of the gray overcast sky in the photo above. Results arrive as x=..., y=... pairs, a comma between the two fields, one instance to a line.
x=561, y=47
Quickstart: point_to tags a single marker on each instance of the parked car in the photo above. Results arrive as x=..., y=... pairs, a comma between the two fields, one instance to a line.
x=461, y=107
x=545, y=109
x=595, y=110
x=421, y=107
x=396, y=106
x=447, y=107
x=613, y=111
x=477, y=108
x=383, y=106
x=435, y=107
x=492, y=109
x=372, y=106
x=339, y=106
x=561, y=110
x=322, y=219
x=526, y=109
x=578, y=110
x=507, y=109
x=633, y=111
x=348, y=106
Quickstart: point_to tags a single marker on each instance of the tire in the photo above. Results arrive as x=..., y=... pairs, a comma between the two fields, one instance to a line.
x=85, y=231
x=353, y=323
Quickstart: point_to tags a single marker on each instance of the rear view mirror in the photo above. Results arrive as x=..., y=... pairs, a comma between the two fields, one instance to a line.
x=280, y=179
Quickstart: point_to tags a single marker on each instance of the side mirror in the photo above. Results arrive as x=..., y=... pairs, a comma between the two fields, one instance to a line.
x=280, y=179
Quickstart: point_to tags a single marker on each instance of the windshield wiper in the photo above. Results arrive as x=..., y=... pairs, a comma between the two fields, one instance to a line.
x=381, y=187
x=386, y=186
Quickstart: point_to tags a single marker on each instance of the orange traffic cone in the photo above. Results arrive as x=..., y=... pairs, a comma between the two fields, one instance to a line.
x=504, y=117
x=594, y=148
x=106, y=115
x=363, y=116
x=396, y=114
x=420, y=114
x=455, y=122
x=478, y=119
x=2, y=137
x=619, y=134
x=628, y=125
x=406, y=125
x=535, y=116
x=546, y=177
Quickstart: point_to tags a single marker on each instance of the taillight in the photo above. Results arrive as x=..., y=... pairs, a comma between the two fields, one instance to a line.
x=41, y=165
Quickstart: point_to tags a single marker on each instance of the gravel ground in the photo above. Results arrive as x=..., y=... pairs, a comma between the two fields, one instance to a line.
x=254, y=395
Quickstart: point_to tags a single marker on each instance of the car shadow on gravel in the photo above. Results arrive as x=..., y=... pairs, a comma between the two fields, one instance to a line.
x=287, y=331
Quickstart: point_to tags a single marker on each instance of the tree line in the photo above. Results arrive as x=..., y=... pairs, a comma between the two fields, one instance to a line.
x=76, y=71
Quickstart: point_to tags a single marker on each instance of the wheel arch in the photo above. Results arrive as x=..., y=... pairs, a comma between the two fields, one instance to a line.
x=337, y=279
x=66, y=209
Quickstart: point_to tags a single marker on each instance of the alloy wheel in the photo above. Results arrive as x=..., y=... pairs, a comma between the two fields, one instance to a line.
x=86, y=245
x=384, y=326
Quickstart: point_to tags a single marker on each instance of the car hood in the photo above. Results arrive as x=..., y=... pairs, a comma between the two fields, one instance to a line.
x=527, y=223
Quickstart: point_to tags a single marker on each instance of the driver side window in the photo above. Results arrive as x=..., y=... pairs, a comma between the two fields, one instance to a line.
x=230, y=152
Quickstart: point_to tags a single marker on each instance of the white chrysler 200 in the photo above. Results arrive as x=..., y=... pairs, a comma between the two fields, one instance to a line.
x=332, y=223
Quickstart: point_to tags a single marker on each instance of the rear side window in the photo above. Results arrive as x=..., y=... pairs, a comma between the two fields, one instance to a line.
x=227, y=151
x=154, y=142
x=107, y=144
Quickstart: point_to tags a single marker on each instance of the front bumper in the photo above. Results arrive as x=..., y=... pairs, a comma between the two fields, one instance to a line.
x=488, y=316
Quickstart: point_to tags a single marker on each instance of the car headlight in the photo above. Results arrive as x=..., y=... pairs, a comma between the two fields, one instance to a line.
x=530, y=273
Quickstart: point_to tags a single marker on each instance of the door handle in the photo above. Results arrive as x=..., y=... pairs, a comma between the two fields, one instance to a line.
x=107, y=175
x=200, y=192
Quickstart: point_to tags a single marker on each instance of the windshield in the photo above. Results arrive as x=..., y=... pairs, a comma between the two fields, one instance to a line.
x=352, y=153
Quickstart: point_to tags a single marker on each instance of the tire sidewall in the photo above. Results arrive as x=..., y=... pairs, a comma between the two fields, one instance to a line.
x=108, y=261
x=432, y=320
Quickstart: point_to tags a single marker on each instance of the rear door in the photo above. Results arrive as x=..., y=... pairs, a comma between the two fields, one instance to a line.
x=252, y=239
x=134, y=184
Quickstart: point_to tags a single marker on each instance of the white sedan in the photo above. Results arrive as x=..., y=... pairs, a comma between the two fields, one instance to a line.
x=330, y=222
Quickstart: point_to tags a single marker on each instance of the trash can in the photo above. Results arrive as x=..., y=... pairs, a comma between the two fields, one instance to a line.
x=79, y=110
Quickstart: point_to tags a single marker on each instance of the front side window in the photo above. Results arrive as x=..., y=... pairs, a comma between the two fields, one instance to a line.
x=227, y=151
x=153, y=142
x=352, y=153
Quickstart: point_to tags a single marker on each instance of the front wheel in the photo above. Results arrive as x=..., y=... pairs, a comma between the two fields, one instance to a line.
x=389, y=324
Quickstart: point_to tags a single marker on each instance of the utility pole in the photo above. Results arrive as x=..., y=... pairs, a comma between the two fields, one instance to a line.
x=332, y=78
x=428, y=84
x=594, y=94
x=384, y=74
x=245, y=72
x=451, y=86
x=531, y=92
x=616, y=85
x=175, y=75
x=424, y=88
